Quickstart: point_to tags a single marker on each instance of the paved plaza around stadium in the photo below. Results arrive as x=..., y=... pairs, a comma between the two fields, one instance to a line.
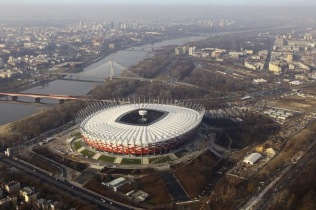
x=161, y=162
x=65, y=143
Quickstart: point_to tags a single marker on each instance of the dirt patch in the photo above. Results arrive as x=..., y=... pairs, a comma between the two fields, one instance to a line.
x=295, y=103
x=194, y=176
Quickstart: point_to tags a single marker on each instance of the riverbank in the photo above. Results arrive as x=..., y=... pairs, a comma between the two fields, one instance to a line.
x=103, y=55
x=5, y=129
x=30, y=85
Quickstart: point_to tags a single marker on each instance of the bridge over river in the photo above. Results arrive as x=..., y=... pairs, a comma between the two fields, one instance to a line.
x=108, y=71
x=37, y=97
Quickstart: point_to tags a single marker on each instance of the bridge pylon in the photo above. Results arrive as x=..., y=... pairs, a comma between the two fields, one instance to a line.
x=112, y=71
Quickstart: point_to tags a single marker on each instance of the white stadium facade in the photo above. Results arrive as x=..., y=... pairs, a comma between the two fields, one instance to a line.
x=139, y=128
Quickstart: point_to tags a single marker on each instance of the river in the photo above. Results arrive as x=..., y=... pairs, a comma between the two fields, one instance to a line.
x=10, y=112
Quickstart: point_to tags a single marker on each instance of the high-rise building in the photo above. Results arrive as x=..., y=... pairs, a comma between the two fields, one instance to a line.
x=289, y=58
x=112, y=25
x=308, y=37
x=185, y=49
x=191, y=50
x=21, y=31
x=1, y=63
x=178, y=51
x=123, y=26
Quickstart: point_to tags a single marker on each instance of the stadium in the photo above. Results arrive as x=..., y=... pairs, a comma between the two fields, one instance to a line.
x=139, y=128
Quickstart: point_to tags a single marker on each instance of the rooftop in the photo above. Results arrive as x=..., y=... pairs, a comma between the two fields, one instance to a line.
x=164, y=122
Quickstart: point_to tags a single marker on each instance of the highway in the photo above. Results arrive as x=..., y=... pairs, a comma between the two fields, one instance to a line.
x=85, y=195
x=295, y=170
x=282, y=178
x=64, y=184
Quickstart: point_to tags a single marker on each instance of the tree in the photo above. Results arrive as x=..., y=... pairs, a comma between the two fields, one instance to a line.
x=280, y=199
x=291, y=201
x=250, y=187
x=309, y=200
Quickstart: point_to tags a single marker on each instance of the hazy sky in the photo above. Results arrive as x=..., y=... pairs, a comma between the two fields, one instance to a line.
x=31, y=10
x=170, y=2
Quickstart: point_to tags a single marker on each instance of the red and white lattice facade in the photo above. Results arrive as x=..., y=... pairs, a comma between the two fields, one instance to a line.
x=101, y=129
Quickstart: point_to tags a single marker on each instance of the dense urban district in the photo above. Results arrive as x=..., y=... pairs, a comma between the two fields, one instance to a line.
x=252, y=86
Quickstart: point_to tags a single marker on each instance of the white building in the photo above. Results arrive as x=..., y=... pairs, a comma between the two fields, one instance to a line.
x=236, y=54
x=192, y=50
x=252, y=158
x=295, y=82
x=116, y=183
x=259, y=81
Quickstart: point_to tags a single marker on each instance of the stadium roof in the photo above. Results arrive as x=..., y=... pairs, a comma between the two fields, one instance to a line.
x=104, y=125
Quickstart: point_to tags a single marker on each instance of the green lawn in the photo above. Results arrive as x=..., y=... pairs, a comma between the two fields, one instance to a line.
x=78, y=145
x=152, y=159
x=162, y=160
x=75, y=134
x=165, y=159
x=131, y=161
x=88, y=153
x=181, y=153
x=106, y=158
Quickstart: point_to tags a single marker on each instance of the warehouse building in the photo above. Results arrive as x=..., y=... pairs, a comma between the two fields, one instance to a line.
x=116, y=183
x=252, y=158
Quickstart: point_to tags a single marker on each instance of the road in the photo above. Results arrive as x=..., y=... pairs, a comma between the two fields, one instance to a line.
x=85, y=195
x=238, y=70
x=262, y=199
x=64, y=184
x=295, y=170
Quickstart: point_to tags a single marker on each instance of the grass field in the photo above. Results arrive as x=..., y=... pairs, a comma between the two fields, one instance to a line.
x=165, y=159
x=106, y=158
x=181, y=153
x=152, y=159
x=87, y=153
x=131, y=161
x=78, y=145
x=75, y=134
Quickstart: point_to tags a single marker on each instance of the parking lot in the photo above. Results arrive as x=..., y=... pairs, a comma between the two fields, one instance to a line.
x=60, y=142
x=174, y=187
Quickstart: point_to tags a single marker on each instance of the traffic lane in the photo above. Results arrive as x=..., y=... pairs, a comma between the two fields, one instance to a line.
x=64, y=171
x=50, y=133
x=76, y=188
x=60, y=184
x=31, y=166
x=73, y=190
